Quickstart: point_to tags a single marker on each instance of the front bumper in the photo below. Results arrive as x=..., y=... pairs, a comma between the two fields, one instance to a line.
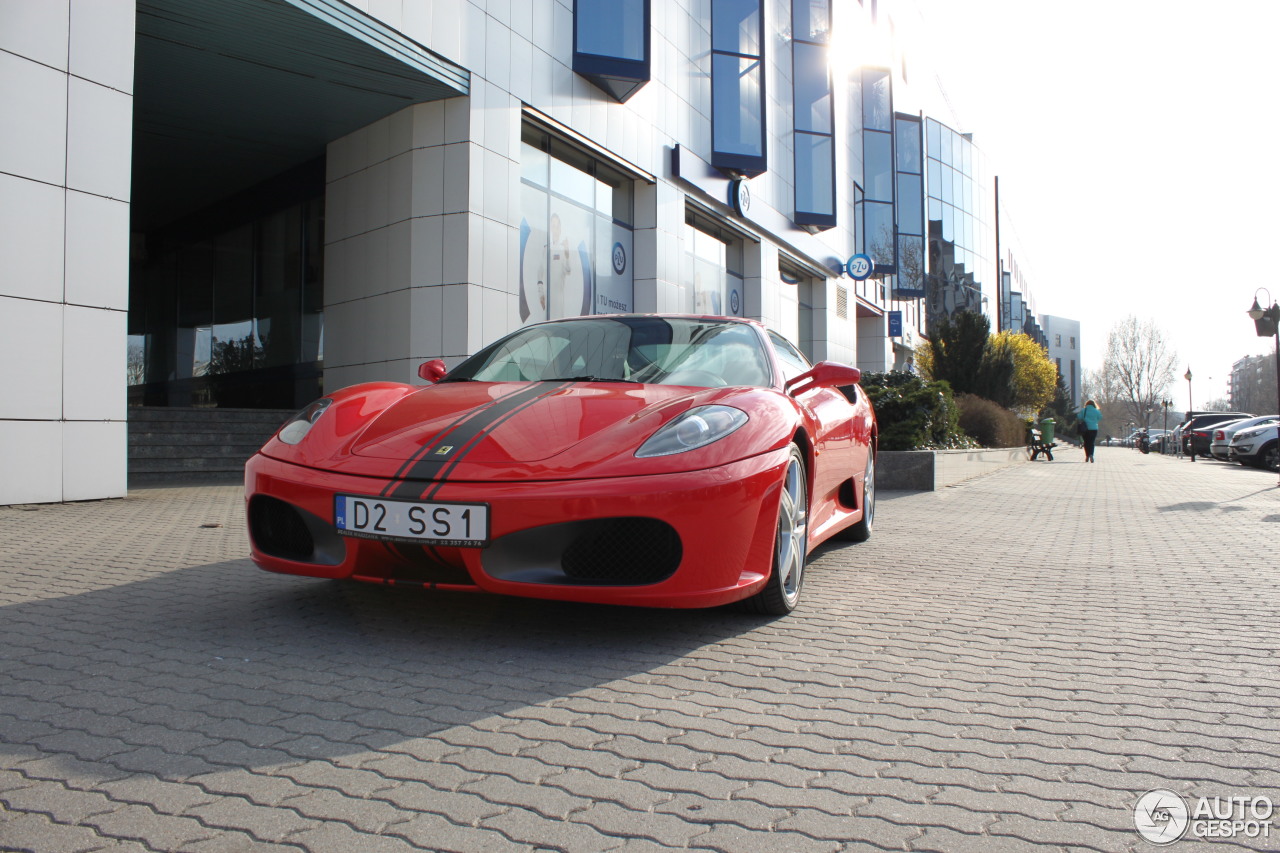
x=602, y=540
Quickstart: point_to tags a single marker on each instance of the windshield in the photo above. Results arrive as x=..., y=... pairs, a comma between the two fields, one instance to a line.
x=649, y=350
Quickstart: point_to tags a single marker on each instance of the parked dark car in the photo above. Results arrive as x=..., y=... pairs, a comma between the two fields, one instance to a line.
x=1196, y=432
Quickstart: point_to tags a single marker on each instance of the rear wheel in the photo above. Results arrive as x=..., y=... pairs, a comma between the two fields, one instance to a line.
x=781, y=591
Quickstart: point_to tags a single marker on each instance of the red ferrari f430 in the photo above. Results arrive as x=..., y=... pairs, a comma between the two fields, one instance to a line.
x=654, y=460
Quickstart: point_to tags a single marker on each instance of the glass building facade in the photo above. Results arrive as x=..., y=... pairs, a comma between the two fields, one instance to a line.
x=814, y=138
x=226, y=308
x=961, y=272
x=737, y=87
x=611, y=44
x=575, y=233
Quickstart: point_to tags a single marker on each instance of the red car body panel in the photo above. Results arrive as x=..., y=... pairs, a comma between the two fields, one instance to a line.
x=551, y=458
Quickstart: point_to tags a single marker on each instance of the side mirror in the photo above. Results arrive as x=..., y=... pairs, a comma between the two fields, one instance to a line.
x=824, y=374
x=432, y=371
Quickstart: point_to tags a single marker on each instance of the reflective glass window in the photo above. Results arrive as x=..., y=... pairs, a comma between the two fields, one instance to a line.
x=575, y=238
x=911, y=262
x=877, y=100
x=877, y=166
x=946, y=184
x=815, y=174
x=811, y=20
x=611, y=28
x=737, y=98
x=878, y=240
x=910, y=204
x=736, y=26
x=934, y=131
x=611, y=44
x=907, y=144
x=812, y=88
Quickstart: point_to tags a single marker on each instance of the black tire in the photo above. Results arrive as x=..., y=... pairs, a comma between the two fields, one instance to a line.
x=781, y=592
x=1269, y=457
x=861, y=531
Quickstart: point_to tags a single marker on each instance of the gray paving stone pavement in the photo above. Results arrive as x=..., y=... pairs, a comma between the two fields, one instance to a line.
x=1008, y=665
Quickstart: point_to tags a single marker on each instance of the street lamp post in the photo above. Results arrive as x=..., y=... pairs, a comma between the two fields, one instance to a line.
x=1164, y=439
x=1191, y=450
x=1266, y=322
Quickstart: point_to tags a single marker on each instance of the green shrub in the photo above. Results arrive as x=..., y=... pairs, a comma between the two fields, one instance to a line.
x=914, y=414
x=990, y=424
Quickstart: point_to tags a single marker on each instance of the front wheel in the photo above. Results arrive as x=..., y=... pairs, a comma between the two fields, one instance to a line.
x=781, y=591
x=1269, y=457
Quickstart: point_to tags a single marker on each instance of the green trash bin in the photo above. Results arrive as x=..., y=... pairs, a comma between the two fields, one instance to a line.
x=1046, y=430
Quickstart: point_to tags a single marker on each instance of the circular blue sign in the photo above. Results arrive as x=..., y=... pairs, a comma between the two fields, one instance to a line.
x=860, y=267
x=619, y=259
x=735, y=304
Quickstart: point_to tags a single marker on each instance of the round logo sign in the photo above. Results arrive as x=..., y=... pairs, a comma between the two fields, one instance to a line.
x=860, y=266
x=619, y=259
x=740, y=196
x=735, y=303
x=1161, y=816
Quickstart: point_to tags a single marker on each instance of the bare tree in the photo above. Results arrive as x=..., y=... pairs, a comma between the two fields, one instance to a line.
x=1139, y=365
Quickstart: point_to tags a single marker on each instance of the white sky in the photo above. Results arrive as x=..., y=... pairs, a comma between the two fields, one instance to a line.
x=1136, y=145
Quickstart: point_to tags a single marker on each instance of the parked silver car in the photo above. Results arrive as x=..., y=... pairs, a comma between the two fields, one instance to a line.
x=1257, y=446
x=1221, y=434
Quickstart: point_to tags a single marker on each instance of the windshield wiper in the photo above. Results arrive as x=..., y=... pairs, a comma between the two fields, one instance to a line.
x=589, y=379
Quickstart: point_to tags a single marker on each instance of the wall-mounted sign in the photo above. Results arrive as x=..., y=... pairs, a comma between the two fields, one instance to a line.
x=895, y=324
x=740, y=196
x=859, y=267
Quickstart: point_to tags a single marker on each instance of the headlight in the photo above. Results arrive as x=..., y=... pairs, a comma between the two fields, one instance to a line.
x=695, y=428
x=297, y=427
x=1251, y=433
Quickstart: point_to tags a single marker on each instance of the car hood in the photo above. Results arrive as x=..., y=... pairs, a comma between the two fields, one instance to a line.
x=507, y=422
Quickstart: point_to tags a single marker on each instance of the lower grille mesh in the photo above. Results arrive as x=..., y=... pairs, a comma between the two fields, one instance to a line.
x=623, y=551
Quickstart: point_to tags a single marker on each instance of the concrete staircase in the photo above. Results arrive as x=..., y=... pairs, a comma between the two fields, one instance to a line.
x=169, y=445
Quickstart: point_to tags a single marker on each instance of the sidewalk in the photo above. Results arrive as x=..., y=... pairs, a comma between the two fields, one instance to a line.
x=1008, y=664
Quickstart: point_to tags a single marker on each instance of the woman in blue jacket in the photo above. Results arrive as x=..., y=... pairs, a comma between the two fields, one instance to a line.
x=1090, y=417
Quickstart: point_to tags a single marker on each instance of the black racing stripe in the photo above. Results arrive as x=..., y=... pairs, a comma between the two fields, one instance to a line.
x=465, y=436
x=403, y=471
x=395, y=487
x=467, y=432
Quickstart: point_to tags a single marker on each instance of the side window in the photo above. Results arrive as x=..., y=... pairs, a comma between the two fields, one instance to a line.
x=792, y=361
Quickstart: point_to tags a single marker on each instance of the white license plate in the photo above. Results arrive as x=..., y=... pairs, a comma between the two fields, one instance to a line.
x=412, y=521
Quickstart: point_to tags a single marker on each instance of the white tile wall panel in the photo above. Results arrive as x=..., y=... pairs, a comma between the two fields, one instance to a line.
x=498, y=52
x=97, y=251
x=429, y=123
x=33, y=97
x=428, y=251
x=93, y=364
x=458, y=177
x=32, y=385
x=474, y=33
x=94, y=460
x=400, y=186
x=36, y=30
x=31, y=459
x=428, y=169
x=455, y=228
x=99, y=139
x=426, y=313
x=102, y=40
x=462, y=327
x=378, y=187
x=497, y=270
x=31, y=238
x=399, y=255
x=386, y=330
x=445, y=35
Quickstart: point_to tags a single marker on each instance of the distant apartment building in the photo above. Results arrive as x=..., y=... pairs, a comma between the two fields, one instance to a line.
x=1253, y=385
x=1062, y=340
